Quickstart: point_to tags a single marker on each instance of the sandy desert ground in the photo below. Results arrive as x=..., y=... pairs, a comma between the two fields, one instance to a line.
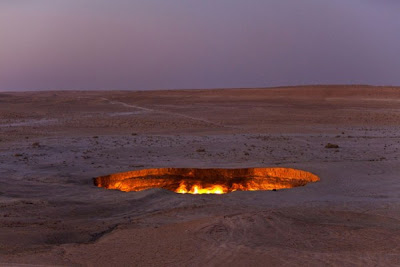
x=53, y=143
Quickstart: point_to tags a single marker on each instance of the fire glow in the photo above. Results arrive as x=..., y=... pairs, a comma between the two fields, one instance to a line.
x=197, y=189
x=207, y=181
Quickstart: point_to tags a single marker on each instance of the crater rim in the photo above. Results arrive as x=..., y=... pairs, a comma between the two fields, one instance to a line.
x=207, y=180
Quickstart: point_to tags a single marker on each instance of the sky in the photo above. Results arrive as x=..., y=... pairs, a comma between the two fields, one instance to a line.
x=184, y=44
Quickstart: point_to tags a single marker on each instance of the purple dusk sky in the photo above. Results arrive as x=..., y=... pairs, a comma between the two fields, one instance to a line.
x=158, y=44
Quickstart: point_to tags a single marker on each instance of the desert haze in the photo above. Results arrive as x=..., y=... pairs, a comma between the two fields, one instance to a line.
x=53, y=143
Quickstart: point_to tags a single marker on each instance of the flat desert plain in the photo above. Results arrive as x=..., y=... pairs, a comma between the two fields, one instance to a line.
x=53, y=143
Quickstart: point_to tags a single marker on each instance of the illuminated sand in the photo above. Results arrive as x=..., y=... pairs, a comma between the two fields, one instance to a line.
x=52, y=144
x=207, y=181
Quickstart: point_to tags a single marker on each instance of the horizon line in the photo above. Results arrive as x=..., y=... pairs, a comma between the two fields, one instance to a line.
x=190, y=89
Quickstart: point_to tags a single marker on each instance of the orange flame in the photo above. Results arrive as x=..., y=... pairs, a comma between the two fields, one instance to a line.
x=207, y=181
x=198, y=189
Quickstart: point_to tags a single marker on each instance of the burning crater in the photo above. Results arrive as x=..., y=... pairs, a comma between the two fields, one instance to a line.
x=207, y=181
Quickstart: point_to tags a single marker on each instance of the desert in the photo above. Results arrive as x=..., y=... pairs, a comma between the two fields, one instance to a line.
x=53, y=143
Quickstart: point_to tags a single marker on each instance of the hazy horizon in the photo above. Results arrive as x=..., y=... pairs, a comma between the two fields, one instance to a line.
x=154, y=44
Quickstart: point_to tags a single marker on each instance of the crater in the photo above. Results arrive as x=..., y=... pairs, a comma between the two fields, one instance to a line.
x=206, y=181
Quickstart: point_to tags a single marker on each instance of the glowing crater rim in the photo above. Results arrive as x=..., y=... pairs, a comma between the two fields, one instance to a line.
x=206, y=181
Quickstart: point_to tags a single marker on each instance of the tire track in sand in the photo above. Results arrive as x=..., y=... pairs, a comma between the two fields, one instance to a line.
x=167, y=113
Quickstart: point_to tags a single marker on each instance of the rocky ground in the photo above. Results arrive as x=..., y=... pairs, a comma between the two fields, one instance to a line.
x=53, y=143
